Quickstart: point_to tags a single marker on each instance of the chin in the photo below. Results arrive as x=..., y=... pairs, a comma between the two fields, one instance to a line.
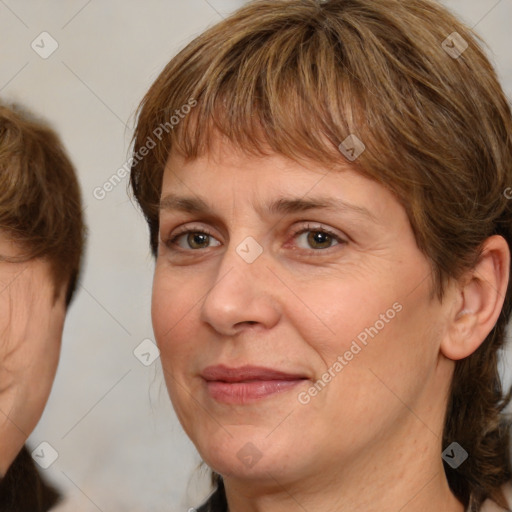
x=256, y=458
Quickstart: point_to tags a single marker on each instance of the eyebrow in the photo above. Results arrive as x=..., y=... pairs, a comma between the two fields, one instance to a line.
x=281, y=205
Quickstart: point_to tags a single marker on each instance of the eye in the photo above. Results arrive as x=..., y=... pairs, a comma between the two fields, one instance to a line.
x=194, y=239
x=318, y=237
x=314, y=237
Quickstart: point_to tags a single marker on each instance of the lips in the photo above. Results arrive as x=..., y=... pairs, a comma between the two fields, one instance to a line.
x=247, y=383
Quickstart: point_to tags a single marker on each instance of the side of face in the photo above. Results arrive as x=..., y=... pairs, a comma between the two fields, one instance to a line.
x=31, y=325
x=359, y=297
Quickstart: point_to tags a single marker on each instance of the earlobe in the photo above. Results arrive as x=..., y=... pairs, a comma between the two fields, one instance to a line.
x=480, y=296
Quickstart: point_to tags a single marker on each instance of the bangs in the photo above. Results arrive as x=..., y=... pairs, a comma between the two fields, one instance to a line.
x=259, y=105
x=281, y=91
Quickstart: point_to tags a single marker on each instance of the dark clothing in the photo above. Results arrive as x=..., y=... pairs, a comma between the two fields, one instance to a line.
x=217, y=501
x=23, y=489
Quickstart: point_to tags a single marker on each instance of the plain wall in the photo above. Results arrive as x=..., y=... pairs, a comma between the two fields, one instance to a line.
x=120, y=446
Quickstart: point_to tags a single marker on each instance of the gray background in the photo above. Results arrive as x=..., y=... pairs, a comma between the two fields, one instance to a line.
x=120, y=447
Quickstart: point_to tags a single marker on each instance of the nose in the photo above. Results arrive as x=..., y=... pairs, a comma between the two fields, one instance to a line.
x=241, y=295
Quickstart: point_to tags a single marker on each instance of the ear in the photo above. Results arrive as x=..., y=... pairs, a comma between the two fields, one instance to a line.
x=479, y=299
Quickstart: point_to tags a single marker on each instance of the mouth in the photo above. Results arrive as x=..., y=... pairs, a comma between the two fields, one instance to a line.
x=247, y=384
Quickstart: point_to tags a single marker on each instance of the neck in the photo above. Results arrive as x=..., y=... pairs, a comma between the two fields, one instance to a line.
x=394, y=475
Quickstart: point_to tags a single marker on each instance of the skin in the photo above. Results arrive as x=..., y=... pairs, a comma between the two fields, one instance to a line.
x=31, y=324
x=298, y=307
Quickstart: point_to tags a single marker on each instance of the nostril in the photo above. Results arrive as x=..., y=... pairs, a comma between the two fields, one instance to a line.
x=247, y=322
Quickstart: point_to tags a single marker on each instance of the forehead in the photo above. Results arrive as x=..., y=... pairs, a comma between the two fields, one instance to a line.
x=272, y=185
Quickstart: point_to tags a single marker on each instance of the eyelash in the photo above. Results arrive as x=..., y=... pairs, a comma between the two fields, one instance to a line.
x=171, y=243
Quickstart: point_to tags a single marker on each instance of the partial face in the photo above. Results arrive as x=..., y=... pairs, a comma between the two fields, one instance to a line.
x=253, y=305
x=31, y=327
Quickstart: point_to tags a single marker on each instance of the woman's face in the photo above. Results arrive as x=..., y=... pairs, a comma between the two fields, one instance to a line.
x=261, y=295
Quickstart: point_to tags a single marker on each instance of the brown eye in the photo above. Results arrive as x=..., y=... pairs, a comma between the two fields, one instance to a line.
x=319, y=239
x=197, y=240
x=194, y=240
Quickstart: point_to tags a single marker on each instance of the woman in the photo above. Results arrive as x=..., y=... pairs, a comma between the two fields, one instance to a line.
x=41, y=243
x=326, y=207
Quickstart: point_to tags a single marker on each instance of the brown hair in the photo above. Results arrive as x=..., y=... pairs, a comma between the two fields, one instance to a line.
x=40, y=200
x=299, y=77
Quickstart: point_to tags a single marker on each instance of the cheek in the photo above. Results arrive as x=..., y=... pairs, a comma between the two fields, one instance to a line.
x=46, y=352
x=173, y=313
x=387, y=354
x=334, y=313
x=55, y=342
x=371, y=334
x=166, y=304
x=174, y=308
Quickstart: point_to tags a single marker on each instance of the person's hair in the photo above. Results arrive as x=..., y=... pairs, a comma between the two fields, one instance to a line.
x=40, y=199
x=298, y=77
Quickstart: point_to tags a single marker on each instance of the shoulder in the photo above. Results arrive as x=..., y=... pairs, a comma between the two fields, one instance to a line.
x=491, y=506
